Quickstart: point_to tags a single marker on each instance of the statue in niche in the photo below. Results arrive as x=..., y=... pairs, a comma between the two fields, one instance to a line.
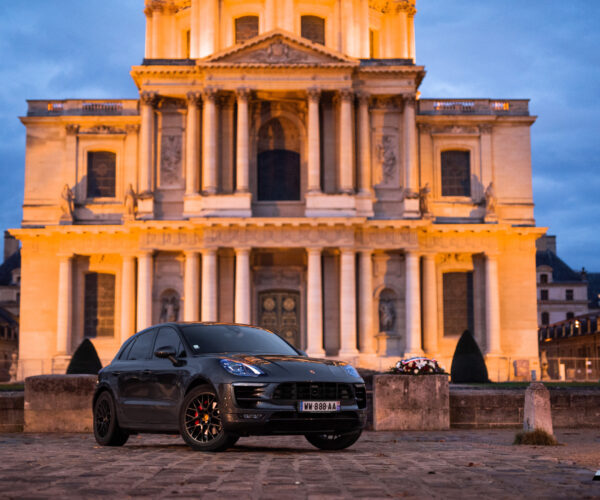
x=424, y=199
x=131, y=205
x=169, y=308
x=14, y=366
x=67, y=203
x=170, y=159
x=490, y=199
x=387, y=315
x=387, y=157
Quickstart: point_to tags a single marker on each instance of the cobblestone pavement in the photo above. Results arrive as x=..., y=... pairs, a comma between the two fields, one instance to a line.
x=452, y=464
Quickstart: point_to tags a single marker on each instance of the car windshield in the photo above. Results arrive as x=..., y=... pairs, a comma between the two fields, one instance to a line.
x=205, y=339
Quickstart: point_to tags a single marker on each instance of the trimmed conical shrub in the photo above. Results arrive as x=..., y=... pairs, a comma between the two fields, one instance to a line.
x=468, y=365
x=85, y=360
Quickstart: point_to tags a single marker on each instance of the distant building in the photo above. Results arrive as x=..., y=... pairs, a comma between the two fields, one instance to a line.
x=10, y=281
x=562, y=292
x=280, y=168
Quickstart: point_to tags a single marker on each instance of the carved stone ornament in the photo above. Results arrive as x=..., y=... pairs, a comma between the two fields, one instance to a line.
x=486, y=128
x=210, y=94
x=67, y=204
x=170, y=160
x=72, y=129
x=194, y=98
x=132, y=128
x=393, y=6
x=387, y=315
x=424, y=200
x=346, y=95
x=456, y=258
x=314, y=94
x=387, y=102
x=278, y=53
x=490, y=200
x=387, y=156
x=169, y=306
x=243, y=93
x=455, y=129
x=103, y=129
x=130, y=204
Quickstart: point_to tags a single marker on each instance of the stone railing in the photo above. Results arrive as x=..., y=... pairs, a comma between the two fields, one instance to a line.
x=83, y=107
x=509, y=107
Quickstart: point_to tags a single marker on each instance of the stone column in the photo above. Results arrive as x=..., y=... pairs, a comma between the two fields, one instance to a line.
x=148, y=54
x=157, y=45
x=242, y=158
x=192, y=144
x=209, y=284
x=209, y=141
x=413, y=305
x=347, y=303
x=208, y=27
x=314, y=304
x=127, y=297
x=147, y=100
x=191, y=287
x=346, y=170
x=65, y=304
x=144, y=290
x=269, y=15
x=242, y=286
x=314, y=142
x=492, y=305
x=410, y=145
x=364, y=130
x=365, y=304
x=430, y=311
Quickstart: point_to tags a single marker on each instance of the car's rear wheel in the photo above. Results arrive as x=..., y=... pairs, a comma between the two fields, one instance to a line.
x=106, y=427
x=200, y=421
x=333, y=441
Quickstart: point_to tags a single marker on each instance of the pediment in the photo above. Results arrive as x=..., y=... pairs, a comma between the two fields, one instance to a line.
x=280, y=48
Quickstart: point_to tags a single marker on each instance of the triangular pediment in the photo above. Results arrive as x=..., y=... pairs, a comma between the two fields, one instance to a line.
x=280, y=48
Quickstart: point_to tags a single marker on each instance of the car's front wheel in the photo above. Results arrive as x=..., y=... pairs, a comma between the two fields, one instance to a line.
x=333, y=441
x=200, y=421
x=106, y=427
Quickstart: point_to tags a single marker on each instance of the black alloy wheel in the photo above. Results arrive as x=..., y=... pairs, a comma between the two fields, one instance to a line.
x=106, y=428
x=333, y=441
x=200, y=422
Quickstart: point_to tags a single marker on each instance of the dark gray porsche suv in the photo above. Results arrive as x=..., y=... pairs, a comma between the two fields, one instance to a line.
x=215, y=382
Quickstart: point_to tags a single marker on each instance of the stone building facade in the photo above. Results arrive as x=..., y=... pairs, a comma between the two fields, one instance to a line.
x=280, y=169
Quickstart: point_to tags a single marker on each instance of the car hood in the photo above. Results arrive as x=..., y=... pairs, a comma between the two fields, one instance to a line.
x=297, y=366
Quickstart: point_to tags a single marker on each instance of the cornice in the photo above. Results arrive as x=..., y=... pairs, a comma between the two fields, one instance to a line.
x=394, y=6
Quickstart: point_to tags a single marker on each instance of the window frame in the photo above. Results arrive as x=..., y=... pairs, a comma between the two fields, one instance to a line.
x=87, y=175
x=85, y=275
x=468, y=141
x=324, y=19
x=234, y=30
x=113, y=143
x=544, y=294
x=470, y=174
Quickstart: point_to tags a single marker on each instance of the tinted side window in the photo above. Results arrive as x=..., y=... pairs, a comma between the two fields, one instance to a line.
x=141, y=348
x=166, y=337
x=126, y=350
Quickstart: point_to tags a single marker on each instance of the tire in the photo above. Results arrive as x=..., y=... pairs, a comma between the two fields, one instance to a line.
x=200, y=422
x=333, y=441
x=106, y=427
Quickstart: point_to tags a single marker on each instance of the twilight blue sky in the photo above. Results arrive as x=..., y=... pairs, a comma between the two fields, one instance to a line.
x=545, y=50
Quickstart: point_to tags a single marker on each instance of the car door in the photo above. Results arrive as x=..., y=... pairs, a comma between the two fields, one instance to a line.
x=134, y=393
x=164, y=379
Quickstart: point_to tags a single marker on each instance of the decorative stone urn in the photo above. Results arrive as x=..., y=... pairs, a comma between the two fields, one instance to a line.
x=411, y=402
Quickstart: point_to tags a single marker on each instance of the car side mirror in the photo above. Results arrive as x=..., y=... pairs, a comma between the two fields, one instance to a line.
x=302, y=353
x=167, y=352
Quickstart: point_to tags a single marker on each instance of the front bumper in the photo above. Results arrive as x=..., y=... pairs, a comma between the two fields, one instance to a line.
x=258, y=408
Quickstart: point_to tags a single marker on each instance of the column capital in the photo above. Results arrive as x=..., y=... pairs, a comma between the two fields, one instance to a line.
x=65, y=255
x=314, y=250
x=491, y=254
x=314, y=94
x=363, y=97
x=243, y=93
x=148, y=98
x=132, y=128
x=194, y=98
x=347, y=250
x=144, y=253
x=366, y=251
x=208, y=251
x=409, y=99
x=210, y=94
x=346, y=95
x=242, y=250
x=72, y=128
x=191, y=253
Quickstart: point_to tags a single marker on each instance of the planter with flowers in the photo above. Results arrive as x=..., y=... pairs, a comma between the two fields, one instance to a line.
x=414, y=395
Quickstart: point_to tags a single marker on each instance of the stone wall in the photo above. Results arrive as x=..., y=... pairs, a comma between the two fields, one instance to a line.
x=59, y=403
x=11, y=411
x=405, y=402
x=474, y=408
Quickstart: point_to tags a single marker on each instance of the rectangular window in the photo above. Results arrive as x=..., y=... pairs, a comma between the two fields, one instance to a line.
x=544, y=294
x=101, y=174
x=456, y=173
x=458, y=303
x=569, y=294
x=246, y=28
x=99, y=305
x=543, y=278
x=313, y=28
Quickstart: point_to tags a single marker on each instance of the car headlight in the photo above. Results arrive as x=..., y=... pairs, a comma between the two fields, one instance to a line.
x=240, y=369
x=350, y=370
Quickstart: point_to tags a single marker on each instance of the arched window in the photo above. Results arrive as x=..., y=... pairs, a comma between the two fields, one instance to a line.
x=545, y=318
x=278, y=175
x=99, y=305
x=101, y=174
x=456, y=173
x=246, y=27
x=313, y=28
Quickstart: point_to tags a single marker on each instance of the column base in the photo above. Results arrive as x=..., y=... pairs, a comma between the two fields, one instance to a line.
x=364, y=204
x=330, y=205
x=348, y=353
x=218, y=205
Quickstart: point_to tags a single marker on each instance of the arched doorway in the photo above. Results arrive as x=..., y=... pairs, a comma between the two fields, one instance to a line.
x=278, y=161
x=279, y=311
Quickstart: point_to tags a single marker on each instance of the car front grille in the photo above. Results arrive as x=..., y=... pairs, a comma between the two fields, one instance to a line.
x=313, y=391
